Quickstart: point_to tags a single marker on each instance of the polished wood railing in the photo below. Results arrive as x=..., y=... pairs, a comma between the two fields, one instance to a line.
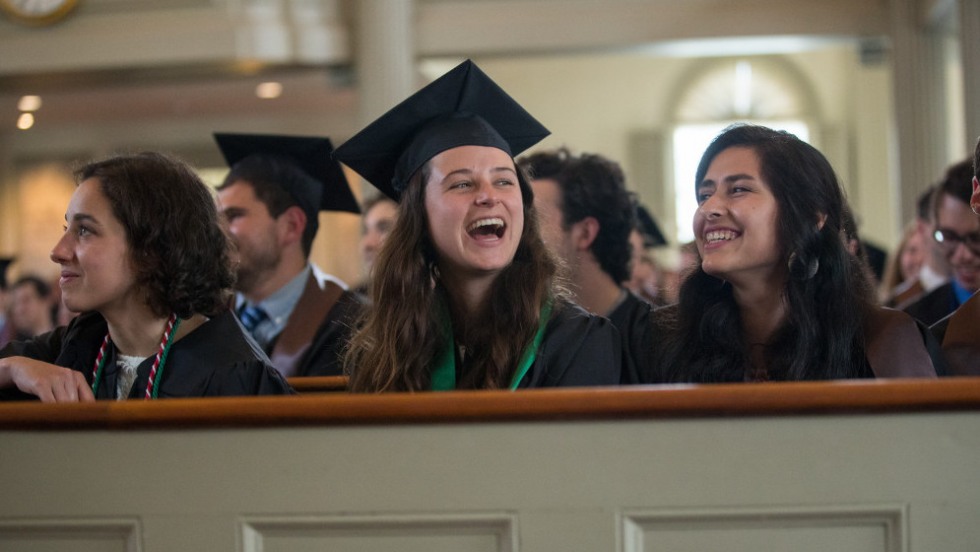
x=318, y=384
x=770, y=399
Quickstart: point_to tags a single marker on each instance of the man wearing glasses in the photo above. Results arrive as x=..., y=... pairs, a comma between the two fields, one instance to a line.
x=958, y=236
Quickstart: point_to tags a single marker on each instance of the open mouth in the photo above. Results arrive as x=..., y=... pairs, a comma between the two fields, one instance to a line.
x=488, y=227
x=716, y=236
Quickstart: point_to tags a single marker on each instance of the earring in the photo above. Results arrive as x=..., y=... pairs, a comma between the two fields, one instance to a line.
x=812, y=267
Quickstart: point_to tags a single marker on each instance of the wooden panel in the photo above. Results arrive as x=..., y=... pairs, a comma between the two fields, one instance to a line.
x=851, y=528
x=448, y=533
x=77, y=535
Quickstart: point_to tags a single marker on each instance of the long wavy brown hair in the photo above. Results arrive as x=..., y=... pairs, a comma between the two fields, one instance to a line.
x=400, y=337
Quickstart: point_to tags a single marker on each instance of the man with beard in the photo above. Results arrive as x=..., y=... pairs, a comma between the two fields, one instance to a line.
x=271, y=199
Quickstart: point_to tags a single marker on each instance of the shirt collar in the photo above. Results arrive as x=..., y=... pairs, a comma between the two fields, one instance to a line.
x=280, y=304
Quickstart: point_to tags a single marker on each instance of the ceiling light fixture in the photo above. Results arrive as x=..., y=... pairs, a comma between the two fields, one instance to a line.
x=29, y=103
x=268, y=90
x=25, y=121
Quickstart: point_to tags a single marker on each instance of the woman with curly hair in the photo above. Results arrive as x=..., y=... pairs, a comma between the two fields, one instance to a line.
x=776, y=295
x=144, y=258
x=463, y=287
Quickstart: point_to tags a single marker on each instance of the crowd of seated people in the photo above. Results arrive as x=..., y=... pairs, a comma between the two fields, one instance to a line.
x=485, y=270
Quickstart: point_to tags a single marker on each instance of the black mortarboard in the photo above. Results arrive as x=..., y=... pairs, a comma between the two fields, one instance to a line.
x=311, y=155
x=4, y=265
x=461, y=108
x=652, y=236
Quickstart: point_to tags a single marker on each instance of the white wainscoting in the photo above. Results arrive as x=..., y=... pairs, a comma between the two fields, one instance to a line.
x=843, y=481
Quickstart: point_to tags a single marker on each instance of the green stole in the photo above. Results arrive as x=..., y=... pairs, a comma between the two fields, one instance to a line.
x=444, y=374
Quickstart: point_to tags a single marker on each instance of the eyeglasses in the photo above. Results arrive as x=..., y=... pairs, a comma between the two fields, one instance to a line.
x=949, y=239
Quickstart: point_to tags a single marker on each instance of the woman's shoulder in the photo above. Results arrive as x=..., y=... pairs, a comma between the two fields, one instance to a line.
x=896, y=345
x=578, y=349
x=218, y=359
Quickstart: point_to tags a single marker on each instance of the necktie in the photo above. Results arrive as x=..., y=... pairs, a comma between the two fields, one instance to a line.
x=251, y=316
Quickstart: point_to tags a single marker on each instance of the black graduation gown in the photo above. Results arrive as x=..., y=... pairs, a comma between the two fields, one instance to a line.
x=899, y=347
x=933, y=306
x=578, y=349
x=959, y=334
x=216, y=359
x=632, y=319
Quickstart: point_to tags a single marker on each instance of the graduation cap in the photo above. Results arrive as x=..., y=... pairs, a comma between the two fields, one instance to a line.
x=461, y=108
x=4, y=265
x=652, y=236
x=328, y=191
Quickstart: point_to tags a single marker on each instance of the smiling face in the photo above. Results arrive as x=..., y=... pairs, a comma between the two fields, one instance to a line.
x=735, y=226
x=475, y=210
x=956, y=216
x=94, y=255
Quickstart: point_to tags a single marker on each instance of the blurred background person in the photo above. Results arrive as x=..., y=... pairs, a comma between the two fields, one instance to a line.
x=957, y=235
x=646, y=275
x=934, y=270
x=6, y=329
x=904, y=263
x=380, y=214
x=959, y=333
x=587, y=215
x=271, y=200
x=30, y=307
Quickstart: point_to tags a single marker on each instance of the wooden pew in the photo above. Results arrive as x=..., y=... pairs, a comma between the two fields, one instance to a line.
x=318, y=384
x=844, y=466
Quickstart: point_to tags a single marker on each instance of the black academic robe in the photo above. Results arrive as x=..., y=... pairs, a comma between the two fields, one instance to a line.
x=897, y=346
x=578, y=349
x=933, y=306
x=632, y=319
x=959, y=334
x=216, y=359
x=313, y=341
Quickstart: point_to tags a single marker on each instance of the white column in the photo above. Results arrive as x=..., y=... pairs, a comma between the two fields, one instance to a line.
x=969, y=19
x=385, y=56
x=917, y=57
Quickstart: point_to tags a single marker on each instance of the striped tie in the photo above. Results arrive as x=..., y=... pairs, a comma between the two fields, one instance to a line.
x=251, y=317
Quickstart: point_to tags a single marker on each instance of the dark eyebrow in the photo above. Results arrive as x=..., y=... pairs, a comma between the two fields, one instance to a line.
x=737, y=177
x=82, y=217
x=728, y=179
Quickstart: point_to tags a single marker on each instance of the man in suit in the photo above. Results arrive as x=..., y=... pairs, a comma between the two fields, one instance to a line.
x=271, y=199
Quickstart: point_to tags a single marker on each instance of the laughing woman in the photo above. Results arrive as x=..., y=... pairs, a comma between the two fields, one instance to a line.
x=144, y=259
x=463, y=287
x=776, y=295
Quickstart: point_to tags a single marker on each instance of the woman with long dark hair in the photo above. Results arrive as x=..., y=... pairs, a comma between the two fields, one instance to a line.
x=463, y=288
x=145, y=261
x=776, y=295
